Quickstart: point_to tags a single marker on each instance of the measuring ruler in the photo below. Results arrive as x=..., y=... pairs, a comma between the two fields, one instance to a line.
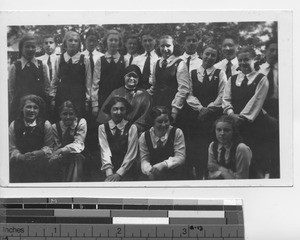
x=118, y=219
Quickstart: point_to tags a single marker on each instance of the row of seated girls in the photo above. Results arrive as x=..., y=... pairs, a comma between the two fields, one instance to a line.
x=171, y=120
x=41, y=152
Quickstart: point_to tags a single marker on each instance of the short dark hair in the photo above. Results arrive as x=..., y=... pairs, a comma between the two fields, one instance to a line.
x=91, y=32
x=131, y=36
x=67, y=104
x=115, y=100
x=50, y=36
x=213, y=46
x=271, y=41
x=247, y=49
x=156, y=111
x=190, y=33
x=232, y=37
x=147, y=32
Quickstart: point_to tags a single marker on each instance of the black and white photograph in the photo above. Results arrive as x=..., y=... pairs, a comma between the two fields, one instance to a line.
x=179, y=102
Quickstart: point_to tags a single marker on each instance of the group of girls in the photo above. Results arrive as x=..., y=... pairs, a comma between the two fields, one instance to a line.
x=143, y=134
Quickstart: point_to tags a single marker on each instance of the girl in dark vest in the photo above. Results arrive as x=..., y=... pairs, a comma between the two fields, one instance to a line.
x=229, y=157
x=171, y=78
x=72, y=78
x=108, y=71
x=30, y=142
x=243, y=98
x=27, y=76
x=69, y=137
x=162, y=148
x=204, y=107
x=118, y=142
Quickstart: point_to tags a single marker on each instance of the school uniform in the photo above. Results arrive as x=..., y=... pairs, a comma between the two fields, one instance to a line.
x=170, y=152
x=71, y=82
x=207, y=91
x=234, y=66
x=119, y=151
x=194, y=63
x=49, y=60
x=271, y=104
x=26, y=77
x=107, y=77
x=247, y=100
x=129, y=59
x=71, y=141
x=140, y=61
x=24, y=138
x=234, y=164
x=171, y=84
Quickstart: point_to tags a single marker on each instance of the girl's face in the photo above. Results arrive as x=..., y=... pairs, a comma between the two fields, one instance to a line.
x=224, y=133
x=209, y=57
x=118, y=112
x=30, y=111
x=68, y=116
x=72, y=44
x=246, y=62
x=113, y=43
x=161, y=124
x=131, y=80
x=29, y=49
x=166, y=47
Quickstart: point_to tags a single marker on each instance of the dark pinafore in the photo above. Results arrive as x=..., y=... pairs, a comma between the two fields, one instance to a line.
x=160, y=154
x=29, y=80
x=72, y=85
x=29, y=139
x=118, y=146
x=166, y=85
x=70, y=168
x=256, y=134
x=111, y=78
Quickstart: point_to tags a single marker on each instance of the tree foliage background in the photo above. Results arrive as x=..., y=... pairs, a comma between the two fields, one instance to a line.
x=247, y=33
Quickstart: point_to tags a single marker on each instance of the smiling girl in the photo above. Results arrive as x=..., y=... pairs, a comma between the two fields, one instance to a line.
x=30, y=142
x=205, y=106
x=118, y=142
x=162, y=148
x=229, y=157
x=69, y=137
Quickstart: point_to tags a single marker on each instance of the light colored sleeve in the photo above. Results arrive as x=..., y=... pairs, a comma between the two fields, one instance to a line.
x=213, y=166
x=144, y=155
x=95, y=83
x=48, y=140
x=56, y=140
x=182, y=76
x=221, y=87
x=77, y=146
x=132, y=151
x=255, y=104
x=243, y=158
x=88, y=80
x=11, y=82
x=55, y=79
x=104, y=148
x=151, y=90
x=179, y=151
x=226, y=100
x=13, y=150
x=46, y=79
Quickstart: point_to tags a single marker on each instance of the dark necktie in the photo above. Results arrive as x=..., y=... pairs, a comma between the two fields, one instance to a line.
x=92, y=64
x=244, y=82
x=70, y=61
x=159, y=144
x=228, y=70
x=50, y=67
x=188, y=62
x=67, y=137
x=146, y=69
x=270, y=77
x=222, y=156
x=205, y=78
x=112, y=61
x=117, y=132
x=130, y=60
x=164, y=64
